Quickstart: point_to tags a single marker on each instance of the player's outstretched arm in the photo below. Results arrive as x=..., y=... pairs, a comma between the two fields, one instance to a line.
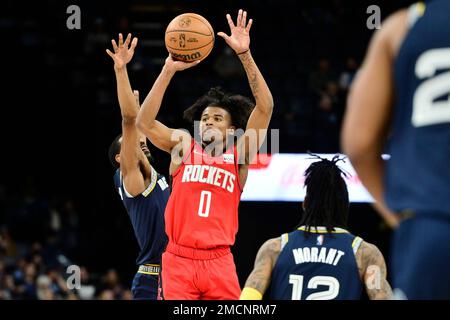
x=259, y=119
x=159, y=134
x=372, y=270
x=369, y=108
x=122, y=55
x=259, y=279
x=130, y=154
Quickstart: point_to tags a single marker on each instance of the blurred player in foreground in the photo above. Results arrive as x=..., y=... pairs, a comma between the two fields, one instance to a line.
x=400, y=101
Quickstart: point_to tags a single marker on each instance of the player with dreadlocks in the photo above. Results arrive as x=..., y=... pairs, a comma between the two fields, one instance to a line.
x=320, y=260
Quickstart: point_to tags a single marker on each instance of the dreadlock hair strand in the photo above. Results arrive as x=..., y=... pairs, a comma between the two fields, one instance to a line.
x=326, y=202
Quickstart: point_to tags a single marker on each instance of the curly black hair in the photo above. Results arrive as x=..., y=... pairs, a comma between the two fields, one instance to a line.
x=113, y=150
x=238, y=106
x=326, y=202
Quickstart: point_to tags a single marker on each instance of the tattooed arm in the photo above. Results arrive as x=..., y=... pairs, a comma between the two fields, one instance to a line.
x=259, y=119
x=259, y=279
x=372, y=270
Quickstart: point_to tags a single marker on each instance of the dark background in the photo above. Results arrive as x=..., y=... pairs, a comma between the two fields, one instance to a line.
x=60, y=112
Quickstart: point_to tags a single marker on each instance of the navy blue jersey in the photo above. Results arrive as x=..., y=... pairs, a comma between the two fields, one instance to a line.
x=146, y=212
x=321, y=266
x=418, y=173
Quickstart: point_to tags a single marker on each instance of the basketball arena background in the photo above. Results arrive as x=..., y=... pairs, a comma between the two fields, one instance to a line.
x=58, y=205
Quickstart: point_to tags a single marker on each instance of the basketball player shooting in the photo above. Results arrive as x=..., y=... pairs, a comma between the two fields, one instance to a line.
x=202, y=213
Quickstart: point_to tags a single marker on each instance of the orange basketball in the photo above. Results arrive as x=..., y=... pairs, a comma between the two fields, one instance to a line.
x=189, y=37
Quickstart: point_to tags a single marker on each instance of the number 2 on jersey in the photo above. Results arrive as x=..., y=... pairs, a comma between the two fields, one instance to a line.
x=426, y=110
x=205, y=204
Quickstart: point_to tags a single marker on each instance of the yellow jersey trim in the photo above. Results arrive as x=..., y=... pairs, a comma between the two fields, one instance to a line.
x=148, y=190
x=284, y=240
x=356, y=244
x=250, y=294
x=152, y=185
x=322, y=230
x=415, y=11
x=148, y=268
x=151, y=273
x=421, y=8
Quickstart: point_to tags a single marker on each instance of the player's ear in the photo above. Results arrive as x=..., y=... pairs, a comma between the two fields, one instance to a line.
x=117, y=157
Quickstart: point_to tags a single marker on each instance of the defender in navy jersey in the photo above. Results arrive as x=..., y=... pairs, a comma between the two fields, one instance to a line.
x=320, y=260
x=403, y=92
x=143, y=191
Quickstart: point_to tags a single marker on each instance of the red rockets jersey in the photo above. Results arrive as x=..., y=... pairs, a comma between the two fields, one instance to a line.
x=202, y=211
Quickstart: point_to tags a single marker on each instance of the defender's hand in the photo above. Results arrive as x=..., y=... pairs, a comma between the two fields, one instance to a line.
x=124, y=52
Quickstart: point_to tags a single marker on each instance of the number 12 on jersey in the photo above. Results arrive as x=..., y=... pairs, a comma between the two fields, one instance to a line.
x=205, y=203
x=297, y=287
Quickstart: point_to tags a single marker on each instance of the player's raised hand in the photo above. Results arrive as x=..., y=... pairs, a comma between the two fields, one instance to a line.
x=239, y=40
x=122, y=52
x=175, y=65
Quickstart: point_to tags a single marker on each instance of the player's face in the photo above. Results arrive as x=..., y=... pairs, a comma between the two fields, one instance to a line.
x=145, y=149
x=143, y=146
x=214, y=124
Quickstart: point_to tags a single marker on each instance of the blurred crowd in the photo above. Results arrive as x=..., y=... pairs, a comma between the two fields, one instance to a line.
x=31, y=269
x=33, y=275
x=42, y=241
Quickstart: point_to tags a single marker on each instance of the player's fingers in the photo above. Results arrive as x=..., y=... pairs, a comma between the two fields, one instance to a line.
x=190, y=64
x=127, y=40
x=114, y=44
x=110, y=53
x=244, y=19
x=120, y=40
x=223, y=35
x=134, y=43
x=230, y=21
x=169, y=58
x=136, y=96
x=250, y=22
x=239, y=18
